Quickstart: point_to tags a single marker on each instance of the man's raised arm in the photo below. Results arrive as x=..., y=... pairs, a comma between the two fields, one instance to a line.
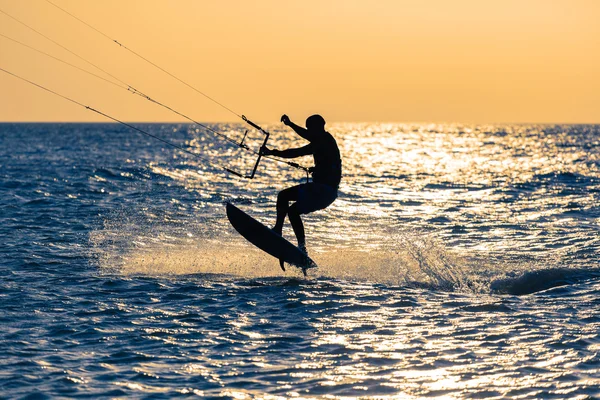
x=302, y=132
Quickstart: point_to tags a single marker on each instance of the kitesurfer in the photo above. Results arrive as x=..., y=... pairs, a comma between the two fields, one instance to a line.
x=326, y=176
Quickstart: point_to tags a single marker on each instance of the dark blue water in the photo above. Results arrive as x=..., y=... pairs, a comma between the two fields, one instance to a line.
x=458, y=262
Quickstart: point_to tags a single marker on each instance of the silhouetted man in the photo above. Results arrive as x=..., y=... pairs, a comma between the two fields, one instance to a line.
x=327, y=173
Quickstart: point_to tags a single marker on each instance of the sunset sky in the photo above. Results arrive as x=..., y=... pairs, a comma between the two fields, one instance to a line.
x=349, y=60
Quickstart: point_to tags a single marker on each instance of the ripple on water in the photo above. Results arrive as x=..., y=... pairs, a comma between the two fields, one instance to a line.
x=458, y=263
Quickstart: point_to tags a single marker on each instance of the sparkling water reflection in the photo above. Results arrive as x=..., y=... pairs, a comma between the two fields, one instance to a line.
x=458, y=262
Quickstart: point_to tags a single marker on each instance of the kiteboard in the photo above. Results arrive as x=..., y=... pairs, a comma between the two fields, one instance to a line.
x=268, y=241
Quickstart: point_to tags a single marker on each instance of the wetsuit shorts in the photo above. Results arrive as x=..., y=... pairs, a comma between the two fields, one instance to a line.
x=315, y=196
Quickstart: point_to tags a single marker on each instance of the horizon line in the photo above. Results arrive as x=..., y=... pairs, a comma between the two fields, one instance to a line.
x=276, y=122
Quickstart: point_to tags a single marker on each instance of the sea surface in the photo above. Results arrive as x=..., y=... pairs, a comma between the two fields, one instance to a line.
x=459, y=261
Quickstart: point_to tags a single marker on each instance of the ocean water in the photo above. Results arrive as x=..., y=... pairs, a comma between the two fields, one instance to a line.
x=459, y=261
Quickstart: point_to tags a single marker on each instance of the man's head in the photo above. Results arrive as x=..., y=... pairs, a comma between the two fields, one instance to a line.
x=315, y=123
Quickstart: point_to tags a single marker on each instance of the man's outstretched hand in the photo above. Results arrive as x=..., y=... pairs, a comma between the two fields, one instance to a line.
x=285, y=119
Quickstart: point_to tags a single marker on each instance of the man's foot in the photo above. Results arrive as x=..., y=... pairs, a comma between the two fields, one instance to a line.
x=302, y=248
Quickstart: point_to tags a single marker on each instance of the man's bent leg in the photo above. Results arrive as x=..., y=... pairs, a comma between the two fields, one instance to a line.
x=297, y=225
x=283, y=199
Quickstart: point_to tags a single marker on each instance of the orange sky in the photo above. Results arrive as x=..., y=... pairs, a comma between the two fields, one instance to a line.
x=349, y=60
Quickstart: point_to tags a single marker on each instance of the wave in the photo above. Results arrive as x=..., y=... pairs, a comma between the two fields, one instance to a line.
x=529, y=282
x=409, y=262
x=379, y=251
x=563, y=179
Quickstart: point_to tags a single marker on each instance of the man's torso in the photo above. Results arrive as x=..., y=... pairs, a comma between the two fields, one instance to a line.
x=328, y=163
